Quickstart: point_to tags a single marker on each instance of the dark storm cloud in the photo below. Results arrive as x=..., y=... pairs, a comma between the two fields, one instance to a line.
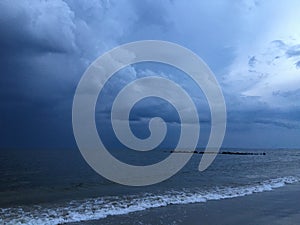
x=36, y=41
x=36, y=27
x=45, y=48
x=47, y=45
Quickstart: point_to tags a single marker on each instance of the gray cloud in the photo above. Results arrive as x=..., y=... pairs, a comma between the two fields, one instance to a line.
x=293, y=51
x=47, y=45
x=285, y=124
x=252, y=61
x=36, y=27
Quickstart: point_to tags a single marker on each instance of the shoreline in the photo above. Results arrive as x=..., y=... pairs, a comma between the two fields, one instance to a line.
x=276, y=207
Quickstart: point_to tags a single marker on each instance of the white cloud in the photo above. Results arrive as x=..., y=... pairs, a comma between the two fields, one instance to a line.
x=262, y=66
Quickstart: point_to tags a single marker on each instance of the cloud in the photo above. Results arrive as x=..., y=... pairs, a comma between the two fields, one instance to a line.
x=293, y=51
x=282, y=123
x=269, y=64
x=36, y=26
x=251, y=46
x=146, y=109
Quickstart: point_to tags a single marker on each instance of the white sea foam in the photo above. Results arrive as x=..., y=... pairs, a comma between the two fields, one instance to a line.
x=97, y=208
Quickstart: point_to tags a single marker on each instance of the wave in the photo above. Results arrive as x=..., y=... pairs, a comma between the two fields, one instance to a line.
x=97, y=208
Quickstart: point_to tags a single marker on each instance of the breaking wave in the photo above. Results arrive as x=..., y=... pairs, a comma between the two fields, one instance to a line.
x=97, y=208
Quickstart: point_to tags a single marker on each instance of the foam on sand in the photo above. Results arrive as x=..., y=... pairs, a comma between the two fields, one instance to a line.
x=97, y=208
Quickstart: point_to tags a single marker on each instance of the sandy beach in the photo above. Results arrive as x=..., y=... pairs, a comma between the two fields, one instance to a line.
x=277, y=207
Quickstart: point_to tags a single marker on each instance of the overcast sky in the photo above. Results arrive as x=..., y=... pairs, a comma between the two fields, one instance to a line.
x=253, y=48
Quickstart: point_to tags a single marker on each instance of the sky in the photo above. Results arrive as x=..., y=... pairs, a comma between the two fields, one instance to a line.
x=253, y=48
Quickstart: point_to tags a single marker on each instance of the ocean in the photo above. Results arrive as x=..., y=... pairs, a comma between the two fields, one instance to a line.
x=56, y=187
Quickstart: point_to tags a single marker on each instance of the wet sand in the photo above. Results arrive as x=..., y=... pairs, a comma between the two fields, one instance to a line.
x=277, y=207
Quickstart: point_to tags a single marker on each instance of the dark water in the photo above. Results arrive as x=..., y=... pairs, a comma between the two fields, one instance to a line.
x=51, y=187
